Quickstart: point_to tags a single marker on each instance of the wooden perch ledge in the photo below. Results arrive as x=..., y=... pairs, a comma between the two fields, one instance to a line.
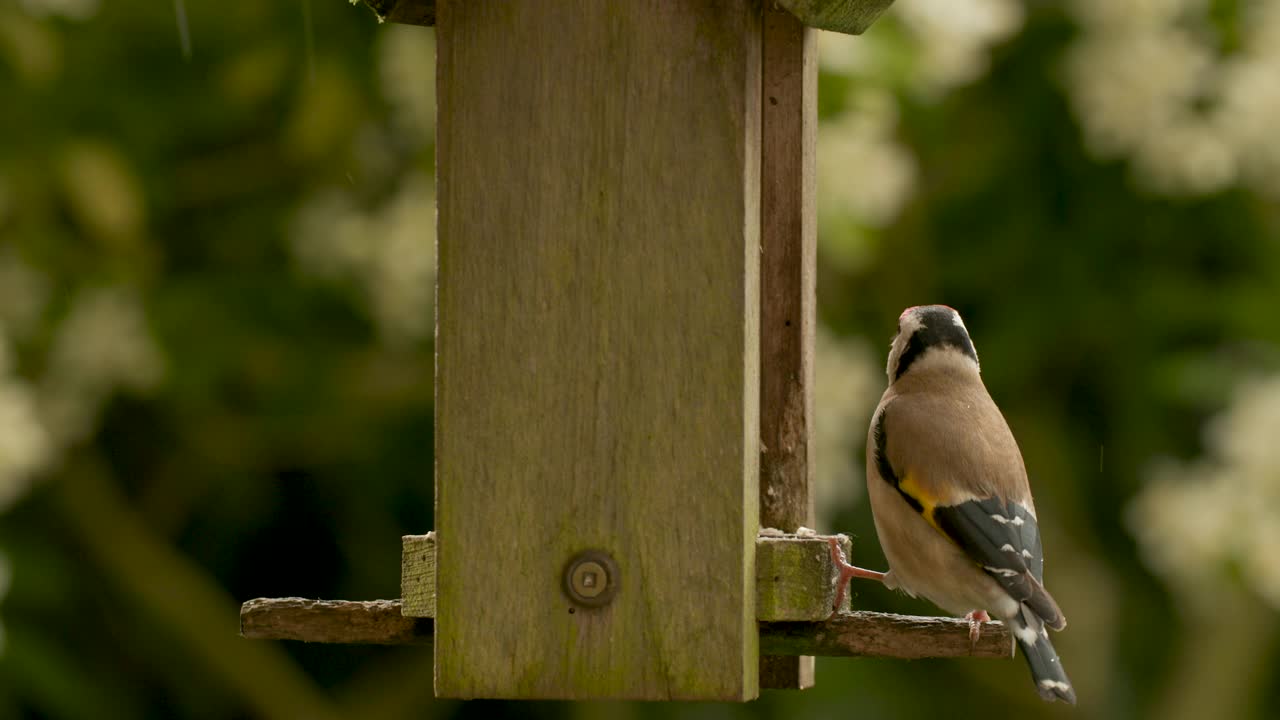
x=794, y=594
x=856, y=634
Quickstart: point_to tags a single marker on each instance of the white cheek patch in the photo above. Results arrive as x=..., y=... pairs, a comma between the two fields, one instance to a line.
x=910, y=324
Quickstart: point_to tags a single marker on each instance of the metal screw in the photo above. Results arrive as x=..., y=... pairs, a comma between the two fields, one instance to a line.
x=591, y=578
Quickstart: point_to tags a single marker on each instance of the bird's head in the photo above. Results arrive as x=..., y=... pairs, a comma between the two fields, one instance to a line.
x=930, y=336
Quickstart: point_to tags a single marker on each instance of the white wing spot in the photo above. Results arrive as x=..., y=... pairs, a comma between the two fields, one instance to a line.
x=1000, y=518
x=1008, y=548
x=1016, y=521
x=1003, y=572
x=1054, y=685
x=1027, y=554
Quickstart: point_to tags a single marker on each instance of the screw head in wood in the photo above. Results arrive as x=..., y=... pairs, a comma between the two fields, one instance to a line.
x=591, y=578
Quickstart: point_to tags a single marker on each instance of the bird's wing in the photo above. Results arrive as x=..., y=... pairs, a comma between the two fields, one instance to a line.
x=953, y=459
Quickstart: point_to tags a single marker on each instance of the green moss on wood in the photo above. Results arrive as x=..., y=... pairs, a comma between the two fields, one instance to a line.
x=794, y=581
x=794, y=578
x=418, y=575
x=852, y=17
x=597, y=356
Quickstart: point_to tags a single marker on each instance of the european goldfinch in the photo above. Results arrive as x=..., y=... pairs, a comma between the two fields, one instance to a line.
x=949, y=494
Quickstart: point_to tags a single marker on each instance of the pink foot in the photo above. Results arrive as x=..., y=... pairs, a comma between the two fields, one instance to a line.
x=847, y=573
x=976, y=618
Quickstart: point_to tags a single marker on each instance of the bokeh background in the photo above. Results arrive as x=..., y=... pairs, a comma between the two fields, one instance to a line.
x=216, y=279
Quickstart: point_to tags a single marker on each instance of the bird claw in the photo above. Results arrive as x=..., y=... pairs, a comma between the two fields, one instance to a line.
x=976, y=618
x=847, y=573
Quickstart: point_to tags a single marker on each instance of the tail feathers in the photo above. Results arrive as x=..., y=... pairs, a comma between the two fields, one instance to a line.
x=1043, y=605
x=1046, y=669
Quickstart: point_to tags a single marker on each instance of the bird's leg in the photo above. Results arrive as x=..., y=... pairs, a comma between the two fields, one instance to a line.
x=976, y=618
x=847, y=573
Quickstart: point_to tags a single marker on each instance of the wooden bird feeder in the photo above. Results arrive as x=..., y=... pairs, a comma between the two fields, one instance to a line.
x=624, y=362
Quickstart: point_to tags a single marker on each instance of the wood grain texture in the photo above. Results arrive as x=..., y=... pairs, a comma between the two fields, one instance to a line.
x=787, y=266
x=373, y=622
x=845, y=16
x=597, y=348
x=868, y=634
x=858, y=634
x=418, y=575
x=795, y=578
x=405, y=12
x=788, y=220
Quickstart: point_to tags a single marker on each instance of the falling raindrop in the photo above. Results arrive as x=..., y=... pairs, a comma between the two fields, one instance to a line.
x=308, y=29
x=184, y=32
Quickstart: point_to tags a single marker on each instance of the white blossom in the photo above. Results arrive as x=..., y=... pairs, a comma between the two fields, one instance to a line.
x=865, y=174
x=849, y=381
x=1149, y=83
x=388, y=253
x=25, y=447
x=862, y=170
x=103, y=344
x=955, y=37
x=1197, y=522
x=405, y=56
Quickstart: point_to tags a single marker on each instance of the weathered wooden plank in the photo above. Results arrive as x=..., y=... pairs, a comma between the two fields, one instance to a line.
x=372, y=622
x=418, y=575
x=858, y=634
x=597, y=350
x=787, y=270
x=788, y=218
x=905, y=637
x=846, y=16
x=795, y=578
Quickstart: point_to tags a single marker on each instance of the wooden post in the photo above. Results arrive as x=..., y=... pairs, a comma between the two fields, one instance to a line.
x=598, y=349
x=789, y=121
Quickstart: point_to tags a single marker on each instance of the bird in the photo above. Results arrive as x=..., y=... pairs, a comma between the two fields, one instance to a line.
x=950, y=497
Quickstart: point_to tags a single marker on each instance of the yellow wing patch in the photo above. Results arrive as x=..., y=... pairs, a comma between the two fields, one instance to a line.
x=916, y=497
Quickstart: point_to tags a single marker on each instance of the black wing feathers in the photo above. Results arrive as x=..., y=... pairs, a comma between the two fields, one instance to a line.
x=1004, y=539
x=1030, y=535
x=885, y=467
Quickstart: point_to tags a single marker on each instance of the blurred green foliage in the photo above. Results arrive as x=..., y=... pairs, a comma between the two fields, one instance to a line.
x=269, y=432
